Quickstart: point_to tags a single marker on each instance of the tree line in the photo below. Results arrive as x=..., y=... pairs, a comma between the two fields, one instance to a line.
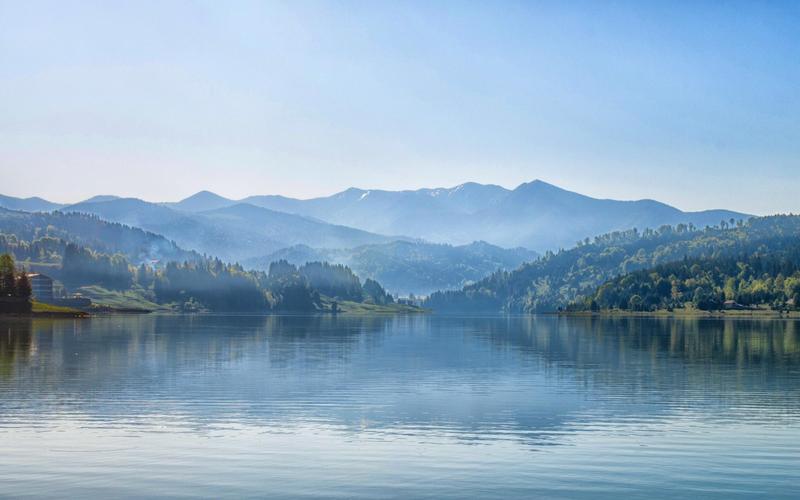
x=771, y=280
x=201, y=283
x=15, y=287
x=558, y=279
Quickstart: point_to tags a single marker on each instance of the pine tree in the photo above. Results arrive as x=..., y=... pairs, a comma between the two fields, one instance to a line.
x=7, y=271
x=24, y=289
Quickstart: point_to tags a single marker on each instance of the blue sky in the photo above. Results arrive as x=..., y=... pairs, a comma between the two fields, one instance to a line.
x=695, y=104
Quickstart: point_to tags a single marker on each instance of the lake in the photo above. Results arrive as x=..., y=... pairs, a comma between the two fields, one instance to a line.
x=399, y=407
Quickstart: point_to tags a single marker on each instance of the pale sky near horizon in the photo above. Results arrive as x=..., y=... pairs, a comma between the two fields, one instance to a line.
x=696, y=104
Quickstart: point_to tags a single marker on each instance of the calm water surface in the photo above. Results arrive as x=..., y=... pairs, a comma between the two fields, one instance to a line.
x=399, y=407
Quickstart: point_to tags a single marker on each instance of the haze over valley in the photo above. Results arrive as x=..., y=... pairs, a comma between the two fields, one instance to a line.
x=416, y=242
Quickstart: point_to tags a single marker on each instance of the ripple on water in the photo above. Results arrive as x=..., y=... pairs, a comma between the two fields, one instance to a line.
x=400, y=407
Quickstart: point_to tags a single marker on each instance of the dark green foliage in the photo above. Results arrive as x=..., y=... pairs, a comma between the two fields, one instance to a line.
x=212, y=283
x=289, y=290
x=46, y=249
x=90, y=231
x=81, y=266
x=8, y=286
x=77, y=265
x=23, y=287
x=769, y=276
x=375, y=294
x=145, y=275
x=15, y=287
x=558, y=279
x=333, y=280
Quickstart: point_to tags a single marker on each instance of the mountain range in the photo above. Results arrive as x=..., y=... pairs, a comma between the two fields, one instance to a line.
x=534, y=215
x=358, y=226
x=234, y=232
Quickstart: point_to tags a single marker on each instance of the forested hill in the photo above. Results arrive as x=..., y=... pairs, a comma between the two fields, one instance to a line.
x=202, y=285
x=768, y=277
x=92, y=232
x=558, y=279
x=410, y=267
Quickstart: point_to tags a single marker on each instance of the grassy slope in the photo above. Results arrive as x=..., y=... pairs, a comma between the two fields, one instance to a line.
x=51, y=310
x=346, y=307
x=128, y=299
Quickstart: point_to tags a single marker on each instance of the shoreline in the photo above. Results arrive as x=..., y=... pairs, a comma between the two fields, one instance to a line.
x=688, y=314
x=47, y=315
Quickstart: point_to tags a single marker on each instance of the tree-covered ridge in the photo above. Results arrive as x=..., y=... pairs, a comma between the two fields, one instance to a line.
x=199, y=284
x=558, y=279
x=407, y=267
x=92, y=232
x=333, y=280
x=72, y=264
x=769, y=276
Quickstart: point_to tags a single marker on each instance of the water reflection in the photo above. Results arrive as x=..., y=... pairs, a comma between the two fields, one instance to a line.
x=473, y=378
x=295, y=406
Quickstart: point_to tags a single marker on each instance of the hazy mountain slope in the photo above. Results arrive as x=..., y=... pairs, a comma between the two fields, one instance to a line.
x=34, y=204
x=106, y=237
x=410, y=267
x=100, y=197
x=540, y=215
x=279, y=203
x=201, y=202
x=290, y=228
x=232, y=233
x=535, y=215
x=432, y=214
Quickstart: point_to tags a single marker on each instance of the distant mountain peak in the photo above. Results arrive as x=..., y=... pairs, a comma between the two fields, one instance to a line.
x=32, y=204
x=203, y=195
x=202, y=201
x=538, y=184
x=100, y=198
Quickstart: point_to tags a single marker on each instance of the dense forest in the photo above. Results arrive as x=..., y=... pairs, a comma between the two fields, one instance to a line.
x=707, y=284
x=228, y=287
x=407, y=267
x=197, y=284
x=92, y=232
x=73, y=264
x=568, y=276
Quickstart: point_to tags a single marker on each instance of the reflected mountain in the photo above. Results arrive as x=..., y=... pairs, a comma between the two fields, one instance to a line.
x=529, y=379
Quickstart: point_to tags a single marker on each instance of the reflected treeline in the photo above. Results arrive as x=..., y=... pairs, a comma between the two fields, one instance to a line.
x=16, y=344
x=115, y=344
x=645, y=354
x=743, y=343
x=472, y=378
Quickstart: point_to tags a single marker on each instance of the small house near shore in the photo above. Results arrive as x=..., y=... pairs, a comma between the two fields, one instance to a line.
x=732, y=305
x=41, y=287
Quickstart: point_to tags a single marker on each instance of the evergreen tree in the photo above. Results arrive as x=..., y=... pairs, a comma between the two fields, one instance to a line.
x=7, y=276
x=375, y=293
x=23, y=288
